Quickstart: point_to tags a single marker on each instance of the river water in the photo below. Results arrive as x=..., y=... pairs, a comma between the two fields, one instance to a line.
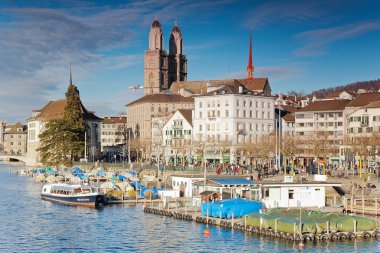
x=29, y=224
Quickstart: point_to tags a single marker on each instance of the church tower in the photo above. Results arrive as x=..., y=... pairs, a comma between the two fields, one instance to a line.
x=177, y=61
x=155, y=62
x=250, y=67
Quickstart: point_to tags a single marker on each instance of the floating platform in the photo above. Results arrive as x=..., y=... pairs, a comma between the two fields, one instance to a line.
x=270, y=233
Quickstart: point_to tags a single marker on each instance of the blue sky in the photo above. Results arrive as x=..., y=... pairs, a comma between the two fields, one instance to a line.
x=298, y=45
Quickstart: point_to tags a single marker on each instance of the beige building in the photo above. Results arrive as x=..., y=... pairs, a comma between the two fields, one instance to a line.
x=114, y=134
x=2, y=130
x=15, y=139
x=161, y=69
x=141, y=111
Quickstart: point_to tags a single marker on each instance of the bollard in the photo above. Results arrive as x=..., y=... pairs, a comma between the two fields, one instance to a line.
x=355, y=226
x=294, y=230
x=245, y=222
x=275, y=226
x=328, y=227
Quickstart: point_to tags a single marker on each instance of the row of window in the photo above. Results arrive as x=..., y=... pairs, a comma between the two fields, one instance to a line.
x=111, y=140
x=239, y=126
x=239, y=113
x=320, y=124
x=243, y=103
x=359, y=130
x=178, y=142
x=176, y=133
x=111, y=133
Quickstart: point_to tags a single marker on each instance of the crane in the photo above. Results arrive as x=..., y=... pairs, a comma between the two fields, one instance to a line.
x=136, y=87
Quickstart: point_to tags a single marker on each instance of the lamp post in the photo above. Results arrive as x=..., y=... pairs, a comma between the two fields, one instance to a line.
x=129, y=147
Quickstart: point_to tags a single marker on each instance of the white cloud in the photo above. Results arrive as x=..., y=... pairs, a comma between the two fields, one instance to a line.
x=317, y=41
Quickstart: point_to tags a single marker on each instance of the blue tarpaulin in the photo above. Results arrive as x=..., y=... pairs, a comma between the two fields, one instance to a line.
x=230, y=207
x=121, y=178
x=101, y=174
x=76, y=170
x=132, y=173
x=134, y=185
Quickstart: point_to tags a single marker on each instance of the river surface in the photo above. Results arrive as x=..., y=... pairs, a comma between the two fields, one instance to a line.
x=29, y=224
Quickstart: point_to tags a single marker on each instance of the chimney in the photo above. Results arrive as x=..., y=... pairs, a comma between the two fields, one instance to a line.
x=240, y=89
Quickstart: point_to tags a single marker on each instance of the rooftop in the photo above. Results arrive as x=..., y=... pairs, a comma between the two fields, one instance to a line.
x=326, y=105
x=200, y=87
x=162, y=98
x=364, y=99
x=114, y=120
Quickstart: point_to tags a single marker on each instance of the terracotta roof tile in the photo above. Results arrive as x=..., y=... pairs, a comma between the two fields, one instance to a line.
x=289, y=117
x=55, y=110
x=326, y=105
x=200, y=87
x=114, y=120
x=162, y=98
x=364, y=99
x=12, y=129
x=187, y=114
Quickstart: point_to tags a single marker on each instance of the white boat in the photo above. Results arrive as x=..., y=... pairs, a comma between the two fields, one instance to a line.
x=76, y=195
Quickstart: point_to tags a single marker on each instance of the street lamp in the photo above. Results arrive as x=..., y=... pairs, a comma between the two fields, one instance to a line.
x=93, y=150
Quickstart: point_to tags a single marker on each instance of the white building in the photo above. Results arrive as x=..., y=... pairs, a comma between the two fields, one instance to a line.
x=234, y=114
x=177, y=136
x=290, y=195
x=184, y=184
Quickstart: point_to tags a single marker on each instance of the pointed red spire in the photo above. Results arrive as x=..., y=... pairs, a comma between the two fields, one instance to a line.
x=250, y=67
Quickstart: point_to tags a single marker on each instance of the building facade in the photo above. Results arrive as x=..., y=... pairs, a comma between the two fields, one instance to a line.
x=141, y=111
x=177, y=137
x=114, y=134
x=15, y=139
x=2, y=130
x=321, y=122
x=234, y=115
x=161, y=69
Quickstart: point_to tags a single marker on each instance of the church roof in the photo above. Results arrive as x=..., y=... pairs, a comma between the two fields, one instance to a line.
x=162, y=98
x=156, y=24
x=200, y=87
x=56, y=109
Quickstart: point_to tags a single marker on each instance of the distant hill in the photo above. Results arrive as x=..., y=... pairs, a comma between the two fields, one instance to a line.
x=373, y=85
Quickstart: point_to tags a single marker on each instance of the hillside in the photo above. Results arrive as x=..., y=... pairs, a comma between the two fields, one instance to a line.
x=373, y=85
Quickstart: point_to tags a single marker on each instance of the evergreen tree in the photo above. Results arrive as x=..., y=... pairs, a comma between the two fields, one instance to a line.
x=73, y=115
x=53, y=149
x=63, y=139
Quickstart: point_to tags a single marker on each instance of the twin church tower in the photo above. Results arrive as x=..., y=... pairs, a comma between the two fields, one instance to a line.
x=160, y=68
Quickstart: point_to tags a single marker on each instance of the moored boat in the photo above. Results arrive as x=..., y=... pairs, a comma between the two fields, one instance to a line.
x=76, y=195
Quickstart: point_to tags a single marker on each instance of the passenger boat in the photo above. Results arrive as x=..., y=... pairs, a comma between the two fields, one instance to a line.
x=76, y=195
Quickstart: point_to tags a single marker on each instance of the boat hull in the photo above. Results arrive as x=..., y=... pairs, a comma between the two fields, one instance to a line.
x=93, y=200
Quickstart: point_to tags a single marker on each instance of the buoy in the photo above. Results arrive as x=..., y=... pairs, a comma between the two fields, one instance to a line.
x=300, y=245
x=206, y=231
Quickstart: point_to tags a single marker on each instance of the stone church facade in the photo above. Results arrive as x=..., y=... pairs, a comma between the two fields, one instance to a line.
x=160, y=68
